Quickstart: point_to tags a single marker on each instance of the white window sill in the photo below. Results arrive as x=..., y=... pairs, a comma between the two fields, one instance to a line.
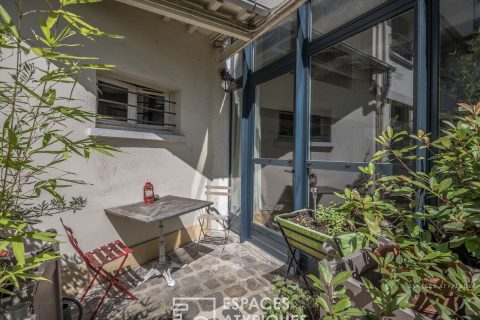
x=135, y=135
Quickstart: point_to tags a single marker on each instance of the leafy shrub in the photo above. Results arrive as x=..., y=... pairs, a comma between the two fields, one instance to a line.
x=334, y=220
x=328, y=302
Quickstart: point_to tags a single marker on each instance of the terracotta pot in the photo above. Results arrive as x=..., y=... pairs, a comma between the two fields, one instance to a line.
x=422, y=303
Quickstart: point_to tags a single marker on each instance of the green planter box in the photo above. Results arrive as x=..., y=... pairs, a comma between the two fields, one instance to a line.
x=312, y=242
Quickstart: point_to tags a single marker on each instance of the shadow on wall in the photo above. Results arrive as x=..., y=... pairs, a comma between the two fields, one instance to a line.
x=176, y=237
x=143, y=54
x=108, y=16
x=75, y=275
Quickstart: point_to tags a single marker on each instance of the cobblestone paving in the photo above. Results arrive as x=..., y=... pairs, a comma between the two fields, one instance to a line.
x=214, y=281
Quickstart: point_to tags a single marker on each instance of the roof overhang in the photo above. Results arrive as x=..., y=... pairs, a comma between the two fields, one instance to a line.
x=243, y=20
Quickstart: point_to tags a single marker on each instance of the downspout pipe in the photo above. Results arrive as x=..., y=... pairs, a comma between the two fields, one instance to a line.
x=251, y=6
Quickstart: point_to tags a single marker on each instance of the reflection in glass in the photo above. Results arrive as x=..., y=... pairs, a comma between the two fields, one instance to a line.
x=236, y=151
x=330, y=14
x=274, y=118
x=328, y=182
x=235, y=64
x=112, y=101
x=275, y=43
x=359, y=87
x=272, y=194
x=459, y=55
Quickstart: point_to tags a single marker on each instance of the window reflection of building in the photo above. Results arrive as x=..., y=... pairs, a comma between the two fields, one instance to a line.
x=459, y=54
x=320, y=129
x=364, y=84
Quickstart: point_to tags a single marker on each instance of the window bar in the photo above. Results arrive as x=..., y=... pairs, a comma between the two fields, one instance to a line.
x=159, y=93
x=130, y=105
x=131, y=110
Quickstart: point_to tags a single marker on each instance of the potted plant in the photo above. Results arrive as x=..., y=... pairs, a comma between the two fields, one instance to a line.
x=328, y=301
x=35, y=140
x=309, y=231
x=435, y=242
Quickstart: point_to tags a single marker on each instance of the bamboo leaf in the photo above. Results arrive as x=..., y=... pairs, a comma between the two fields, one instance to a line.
x=18, y=249
x=9, y=22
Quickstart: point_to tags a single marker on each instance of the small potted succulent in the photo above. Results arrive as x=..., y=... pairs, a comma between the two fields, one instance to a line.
x=309, y=230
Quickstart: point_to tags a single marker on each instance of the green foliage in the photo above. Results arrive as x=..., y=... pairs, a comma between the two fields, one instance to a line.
x=35, y=141
x=465, y=81
x=388, y=206
x=332, y=297
x=391, y=296
x=330, y=301
x=290, y=299
x=335, y=221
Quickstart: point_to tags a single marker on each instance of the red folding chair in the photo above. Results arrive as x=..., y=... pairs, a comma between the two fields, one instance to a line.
x=97, y=259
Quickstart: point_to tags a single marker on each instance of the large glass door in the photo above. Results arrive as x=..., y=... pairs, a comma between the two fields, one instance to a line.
x=273, y=151
x=358, y=88
x=359, y=85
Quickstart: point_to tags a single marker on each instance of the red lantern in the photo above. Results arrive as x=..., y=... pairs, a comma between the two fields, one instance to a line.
x=148, y=194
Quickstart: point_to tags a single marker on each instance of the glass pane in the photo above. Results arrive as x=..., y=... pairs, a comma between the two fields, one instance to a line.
x=275, y=43
x=237, y=65
x=112, y=101
x=330, y=14
x=359, y=87
x=236, y=152
x=274, y=118
x=459, y=55
x=272, y=194
x=328, y=182
x=150, y=109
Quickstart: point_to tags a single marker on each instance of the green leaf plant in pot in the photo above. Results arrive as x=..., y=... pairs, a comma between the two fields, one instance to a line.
x=433, y=245
x=309, y=231
x=329, y=301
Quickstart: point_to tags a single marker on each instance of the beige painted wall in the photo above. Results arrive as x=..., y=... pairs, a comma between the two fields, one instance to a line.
x=160, y=55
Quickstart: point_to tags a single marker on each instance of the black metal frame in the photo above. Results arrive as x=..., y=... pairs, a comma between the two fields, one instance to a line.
x=425, y=95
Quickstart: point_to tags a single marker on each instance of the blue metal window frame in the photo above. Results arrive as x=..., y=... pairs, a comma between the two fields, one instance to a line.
x=247, y=144
x=424, y=91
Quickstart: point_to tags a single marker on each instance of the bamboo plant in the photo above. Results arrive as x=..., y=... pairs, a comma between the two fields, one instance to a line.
x=35, y=139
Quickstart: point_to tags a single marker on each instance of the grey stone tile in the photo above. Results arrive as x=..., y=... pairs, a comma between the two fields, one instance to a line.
x=211, y=284
x=253, y=284
x=228, y=278
x=236, y=291
x=235, y=273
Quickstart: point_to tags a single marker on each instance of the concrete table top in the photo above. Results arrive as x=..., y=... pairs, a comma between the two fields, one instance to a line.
x=162, y=209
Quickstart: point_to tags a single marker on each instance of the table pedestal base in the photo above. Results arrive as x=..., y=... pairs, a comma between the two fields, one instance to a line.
x=163, y=267
x=162, y=271
x=166, y=273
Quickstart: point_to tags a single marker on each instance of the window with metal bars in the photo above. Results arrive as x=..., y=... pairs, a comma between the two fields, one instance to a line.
x=320, y=127
x=129, y=105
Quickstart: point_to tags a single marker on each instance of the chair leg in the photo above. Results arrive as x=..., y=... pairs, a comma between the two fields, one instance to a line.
x=225, y=232
x=202, y=231
x=101, y=300
x=119, y=285
x=113, y=281
x=90, y=284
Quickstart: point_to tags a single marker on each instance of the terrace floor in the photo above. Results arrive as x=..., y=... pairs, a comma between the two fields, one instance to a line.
x=220, y=274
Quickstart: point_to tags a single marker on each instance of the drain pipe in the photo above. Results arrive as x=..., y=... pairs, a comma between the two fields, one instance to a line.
x=251, y=6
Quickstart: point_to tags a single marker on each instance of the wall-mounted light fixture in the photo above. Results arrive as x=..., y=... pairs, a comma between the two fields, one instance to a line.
x=227, y=80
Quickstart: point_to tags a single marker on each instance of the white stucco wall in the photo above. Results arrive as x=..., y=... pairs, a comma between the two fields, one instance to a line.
x=159, y=55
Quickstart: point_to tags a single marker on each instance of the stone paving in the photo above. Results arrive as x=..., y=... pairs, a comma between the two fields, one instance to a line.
x=217, y=283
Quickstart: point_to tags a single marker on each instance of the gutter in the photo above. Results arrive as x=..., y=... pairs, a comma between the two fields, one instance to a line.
x=251, y=6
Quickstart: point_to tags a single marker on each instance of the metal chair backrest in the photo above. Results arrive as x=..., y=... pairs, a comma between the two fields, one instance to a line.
x=218, y=191
x=74, y=243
